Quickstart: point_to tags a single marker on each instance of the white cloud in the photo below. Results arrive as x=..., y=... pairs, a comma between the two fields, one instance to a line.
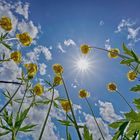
x=69, y=42
x=22, y=9
x=107, y=44
x=107, y=112
x=42, y=69
x=59, y=46
x=28, y=27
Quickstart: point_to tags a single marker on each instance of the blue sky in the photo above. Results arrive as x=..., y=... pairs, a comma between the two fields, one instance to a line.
x=98, y=23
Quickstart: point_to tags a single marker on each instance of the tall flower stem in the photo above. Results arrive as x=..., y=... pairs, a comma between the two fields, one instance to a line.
x=11, y=98
x=23, y=98
x=124, y=99
x=75, y=122
x=95, y=118
x=10, y=82
x=47, y=116
x=67, y=134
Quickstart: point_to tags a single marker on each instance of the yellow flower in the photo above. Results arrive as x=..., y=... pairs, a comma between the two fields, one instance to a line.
x=111, y=87
x=131, y=75
x=113, y=53
x=38, y=89
x=57, y=80
x=24, y=38
x=6, y=23
x=31, y=69
x=16, y=56
x=58, y=69
x=65, y=105
x=85, y=49
x=83, y=93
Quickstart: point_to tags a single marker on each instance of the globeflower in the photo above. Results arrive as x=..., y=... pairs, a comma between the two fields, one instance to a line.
x=16, y=56
x=24, y=38
x=65, y=105
x=31, y=69
x=85, y=49
x=38, y=89
x=5, y=23
x=57, y=80
x=113, y=53
x=83, y=93
x=111, y=87
x=58, y=69
x=131, y=75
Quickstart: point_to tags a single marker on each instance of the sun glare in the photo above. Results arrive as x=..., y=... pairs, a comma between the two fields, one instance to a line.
x=83, y=64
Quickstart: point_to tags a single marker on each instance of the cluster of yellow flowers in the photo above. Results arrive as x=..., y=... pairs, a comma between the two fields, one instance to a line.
x=131, y=75
x=85, y=49
x=57, y=80
x=113, y=53
x=16, y=56
x=112, y=87
x=5, y=23
x=38, y=89
x=66, y=105
x=83, y=93
x=31, y=70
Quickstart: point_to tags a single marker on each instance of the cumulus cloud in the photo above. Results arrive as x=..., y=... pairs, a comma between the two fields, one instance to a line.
x=107, y=112
x=130, y=29
x=22, y=9
x=69, y=42
x=59, y=46
x=107, y=44
x=42, y=69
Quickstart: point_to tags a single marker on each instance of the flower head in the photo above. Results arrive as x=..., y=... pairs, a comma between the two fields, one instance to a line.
x=58, y=69
x=85, y=49
x=31, y=69
x=57, y=80
x=24, y=38
x=131, y=75
x=38, y=89
x=65, y=105
x=5, y=23
x=83, y=93
x=113, y=53
x=111, y=87
x=16, y=56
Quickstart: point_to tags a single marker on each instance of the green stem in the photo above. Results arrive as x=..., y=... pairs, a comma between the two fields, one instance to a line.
x=10, y=82
x=75, y=122
x=13, y=136
x=67, y=134
x=11, y=98
x=23, y=98
x=47, y=116
x=95, y=118
x=120, y=55
x=124, y=99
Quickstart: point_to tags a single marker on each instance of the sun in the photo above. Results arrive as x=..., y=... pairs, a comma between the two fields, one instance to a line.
x=83, y=64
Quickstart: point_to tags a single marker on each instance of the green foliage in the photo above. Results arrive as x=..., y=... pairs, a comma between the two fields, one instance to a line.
x=86, y=134
x=136, y=88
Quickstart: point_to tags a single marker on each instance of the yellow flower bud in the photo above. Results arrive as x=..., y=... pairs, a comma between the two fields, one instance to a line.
x=131, y=75
x=5, y=23
x=85, y=49
x=113, y=53
x=58, y=69
x=38, y=89
x=65, y=105
x=16, y=56
x=83, y=93
x=24, y=38
x=111, y=87
x=57, y=80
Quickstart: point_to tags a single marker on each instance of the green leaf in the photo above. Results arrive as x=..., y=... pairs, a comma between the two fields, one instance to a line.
x=135, y=56
x=137, y=103
x=127, y=62
x=117, y=124
x=69, y=136
x=66, y=123
x=126, y=50
x=6, y=45
x=4, y=133
x=27, y=128
x=136, y=88
x=86, y=134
